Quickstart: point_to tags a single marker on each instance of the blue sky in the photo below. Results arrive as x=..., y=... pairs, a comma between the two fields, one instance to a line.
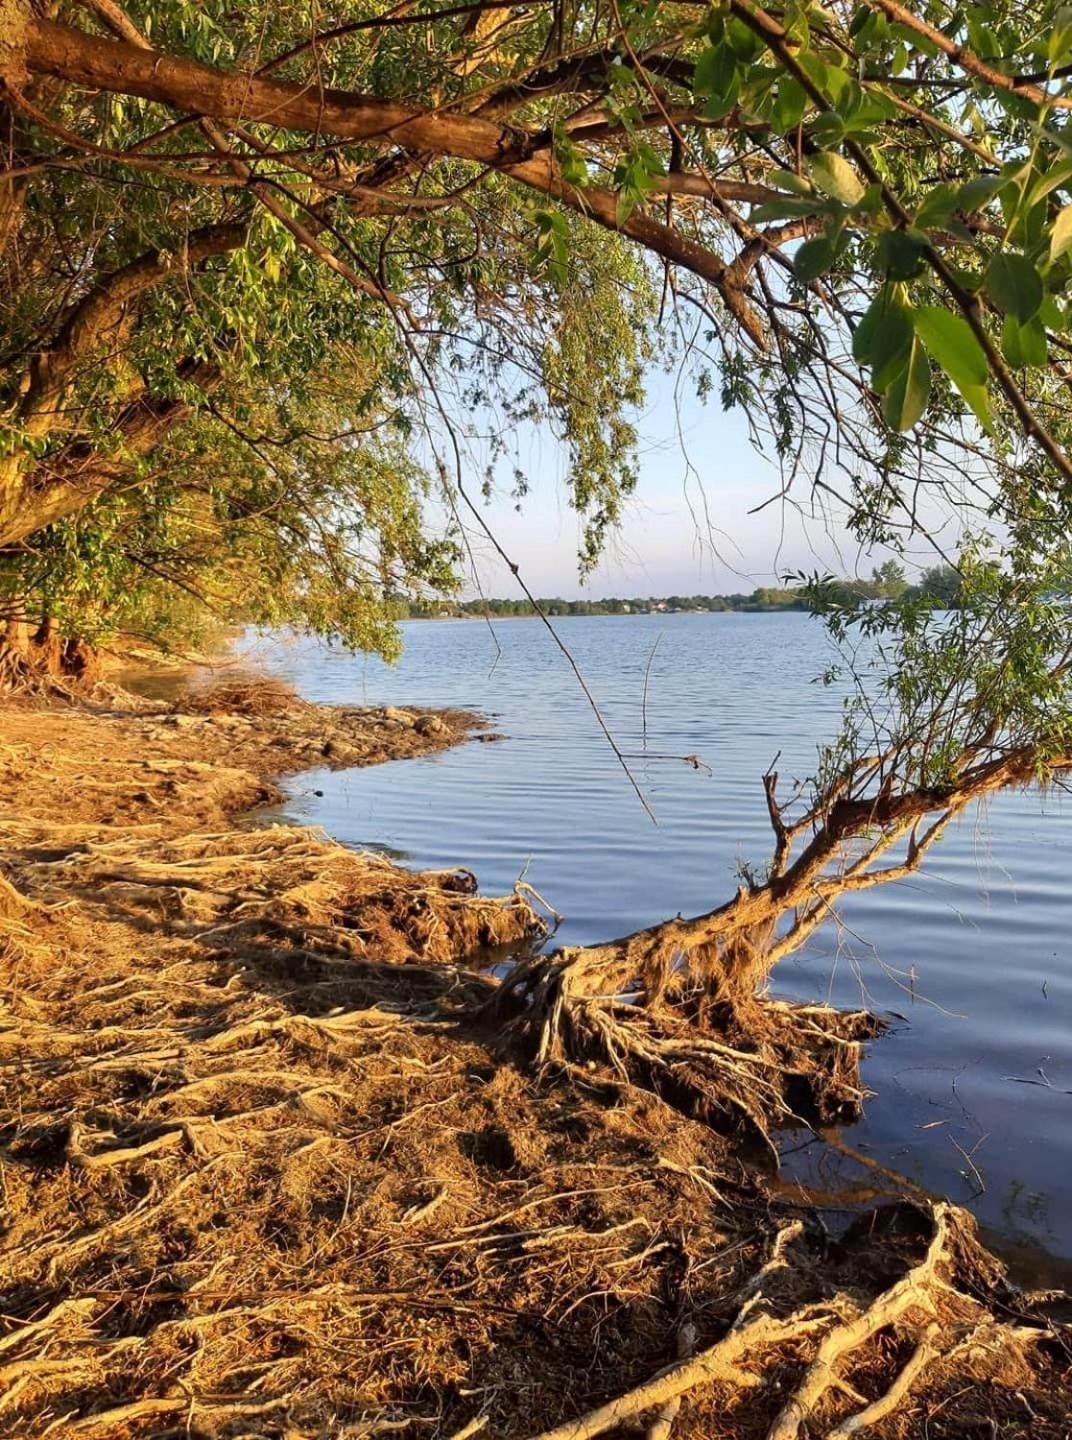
x=687, y=530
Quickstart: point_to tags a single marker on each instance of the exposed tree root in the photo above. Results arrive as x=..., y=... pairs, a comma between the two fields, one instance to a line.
x=242, y=695
x=263, y=1174
x=724, y=1363
x=682, y=1006
x=41, y=662
x=918, y=1293
x=13, y=904
x=738, y=1058
x=924, y=1306
x=247, y=886
x=867, y=1418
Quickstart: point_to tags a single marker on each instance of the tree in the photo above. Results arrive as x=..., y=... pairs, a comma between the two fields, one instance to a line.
x=940, y=585
x=856, y=221
x=937, y=259
x=889, y=580
x=264, y=276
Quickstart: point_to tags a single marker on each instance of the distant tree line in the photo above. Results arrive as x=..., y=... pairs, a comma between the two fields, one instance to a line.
x=940, y=585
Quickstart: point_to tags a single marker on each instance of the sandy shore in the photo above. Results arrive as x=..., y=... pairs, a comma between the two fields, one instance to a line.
x=271, y=1167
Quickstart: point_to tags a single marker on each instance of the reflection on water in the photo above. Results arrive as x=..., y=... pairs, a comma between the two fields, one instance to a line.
x=971, y=956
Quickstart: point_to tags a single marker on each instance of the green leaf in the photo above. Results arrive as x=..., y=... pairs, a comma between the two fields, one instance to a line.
x=1024, y=346
x=883, y=336
x=902, y=254
x=789, y=105
x=981, y=36
x=862, y=17
x=795, y=23
x=830, y=80
x=915, y=40
x=962, y=232
x=937, y=208
x=788, y=180
x=744, y=42
x=906, y=399
x=891, y=346
x=834, y=176
x=1059, y=46
x=979, y=192
x=1061, y=234
x=717, y=79
x=870, y=202
x=1051, y=315
x=863, y=337
x=723, y=103
x=713, y=69
x=814, y=256
x=827, y=129
x=1014, y=285
x=952, y=344
x=1056, y=179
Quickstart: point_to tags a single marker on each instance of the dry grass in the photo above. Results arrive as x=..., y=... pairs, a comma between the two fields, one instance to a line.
x=240, y=695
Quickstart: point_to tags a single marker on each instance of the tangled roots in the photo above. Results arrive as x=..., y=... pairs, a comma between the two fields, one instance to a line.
x=47, y=664
x=714, y=1054
x=254, y=695
x=291, y=881
x=934, y=1328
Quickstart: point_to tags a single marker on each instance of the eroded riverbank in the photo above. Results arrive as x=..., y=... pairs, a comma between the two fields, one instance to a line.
x=268, y=1169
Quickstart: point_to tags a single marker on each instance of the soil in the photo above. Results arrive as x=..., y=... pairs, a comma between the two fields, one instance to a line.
x=270, y=1167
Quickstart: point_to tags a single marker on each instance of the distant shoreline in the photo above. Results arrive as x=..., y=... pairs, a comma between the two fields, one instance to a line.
x=938, y=587
x=614, y=614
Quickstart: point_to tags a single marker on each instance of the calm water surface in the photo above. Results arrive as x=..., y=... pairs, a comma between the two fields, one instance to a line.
x=971, y=957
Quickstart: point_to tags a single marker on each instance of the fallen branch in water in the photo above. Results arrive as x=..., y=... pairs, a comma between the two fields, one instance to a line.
x=681, y=1006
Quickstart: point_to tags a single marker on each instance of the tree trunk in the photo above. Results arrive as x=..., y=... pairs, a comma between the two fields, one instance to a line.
x=41, y=660
x=80, y=474
x=35, y=493
x=14, y=644
x=682, y=1007
x=47, y=647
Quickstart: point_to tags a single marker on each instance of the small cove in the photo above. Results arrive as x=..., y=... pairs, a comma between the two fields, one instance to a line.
x=969, y=959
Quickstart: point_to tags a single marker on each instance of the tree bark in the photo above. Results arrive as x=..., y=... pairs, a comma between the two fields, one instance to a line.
x=33, y=493
x=234, y=97
x=80, y=474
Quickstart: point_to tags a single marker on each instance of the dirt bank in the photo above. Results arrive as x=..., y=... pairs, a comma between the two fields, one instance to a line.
x=267, y=1169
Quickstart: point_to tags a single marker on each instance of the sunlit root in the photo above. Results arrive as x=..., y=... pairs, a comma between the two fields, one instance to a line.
x=914, y=1295
x=13, y=904
x=925, y=1306
x=38, y=660
x=926, y=1351
x=712, y=1054
x=682, y=1007
x=725, y=1363
x=241, y=884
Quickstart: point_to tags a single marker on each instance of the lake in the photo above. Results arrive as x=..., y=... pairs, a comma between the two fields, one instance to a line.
x=970, y=956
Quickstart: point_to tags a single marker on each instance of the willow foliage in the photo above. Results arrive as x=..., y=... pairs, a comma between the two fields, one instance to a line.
x=267, y=276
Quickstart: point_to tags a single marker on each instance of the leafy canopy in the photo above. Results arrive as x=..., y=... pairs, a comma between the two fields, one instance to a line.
x=441, y=225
